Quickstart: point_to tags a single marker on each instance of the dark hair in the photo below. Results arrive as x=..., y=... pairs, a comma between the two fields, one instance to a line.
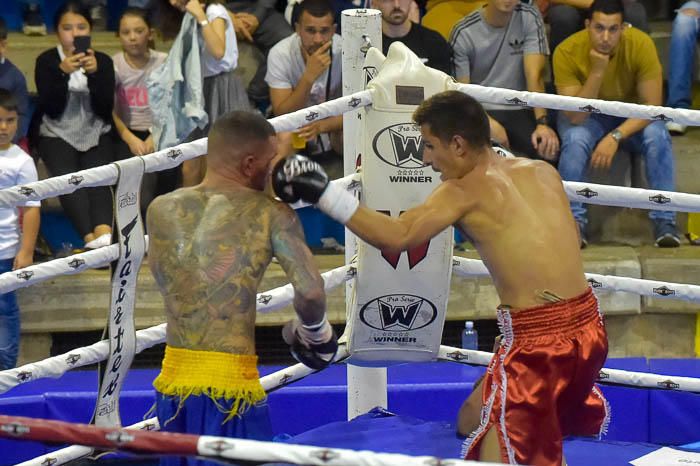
x=139, y=13
x=608, y=7
x=168, y=18
x=453, y=113
x=8, y=101
x=239, y=127
x=71, y=6
x=316, y=8
x=3, y=29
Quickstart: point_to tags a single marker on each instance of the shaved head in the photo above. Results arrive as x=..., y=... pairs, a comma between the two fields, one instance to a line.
x=233, y=135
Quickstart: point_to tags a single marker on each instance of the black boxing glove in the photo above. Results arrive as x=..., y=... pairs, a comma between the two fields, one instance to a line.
x=314, y=346
x=281, y=185
x=298, y=177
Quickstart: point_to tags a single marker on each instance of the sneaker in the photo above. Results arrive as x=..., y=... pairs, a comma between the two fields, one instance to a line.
x=676, y=129
x=32, y=22
x=582, y=236
x=666, y=234
x=693, y=239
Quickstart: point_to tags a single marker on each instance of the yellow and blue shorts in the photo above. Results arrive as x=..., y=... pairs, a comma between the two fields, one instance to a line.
x=210, y=393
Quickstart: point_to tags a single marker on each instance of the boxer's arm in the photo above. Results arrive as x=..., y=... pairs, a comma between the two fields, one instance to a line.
x=289, y=246
x=443, y=208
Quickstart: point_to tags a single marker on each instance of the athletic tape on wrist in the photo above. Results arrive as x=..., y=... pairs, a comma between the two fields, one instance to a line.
x=338, y=203
x=315, y=334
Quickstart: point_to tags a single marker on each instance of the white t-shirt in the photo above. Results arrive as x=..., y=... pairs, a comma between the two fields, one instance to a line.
x=210, y=65
x=16, y=168
x=285, y=66
x=131, y=92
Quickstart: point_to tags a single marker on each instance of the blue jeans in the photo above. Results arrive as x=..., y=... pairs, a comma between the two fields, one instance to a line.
x=653, y=143
x=681, y=62
x=9, y=323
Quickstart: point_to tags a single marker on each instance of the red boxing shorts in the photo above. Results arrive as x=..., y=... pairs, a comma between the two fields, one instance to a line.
x=539, y=387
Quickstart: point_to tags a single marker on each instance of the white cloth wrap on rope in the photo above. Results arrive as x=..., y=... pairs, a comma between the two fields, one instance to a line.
x=106, y=175
x=266, y=452
x=495, y=95
x=56, y=366
x=464, y=267
x=37, y=273
x=74, y=452
x=608, y=376
x=621, y=196
x=305, y=116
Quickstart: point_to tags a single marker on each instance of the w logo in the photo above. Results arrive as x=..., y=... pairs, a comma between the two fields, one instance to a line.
x=407, y=148
x=415, y=255
x=398, y=316
x=400, y=146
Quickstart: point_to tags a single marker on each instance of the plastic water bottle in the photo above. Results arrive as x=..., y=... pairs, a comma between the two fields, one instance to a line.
x=470, y=339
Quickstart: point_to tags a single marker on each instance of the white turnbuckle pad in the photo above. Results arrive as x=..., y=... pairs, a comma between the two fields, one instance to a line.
x=400, y=299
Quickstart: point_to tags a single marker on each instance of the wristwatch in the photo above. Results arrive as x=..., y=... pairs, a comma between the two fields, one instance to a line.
x=543, y=120
x=203, y=23
x=616, y=135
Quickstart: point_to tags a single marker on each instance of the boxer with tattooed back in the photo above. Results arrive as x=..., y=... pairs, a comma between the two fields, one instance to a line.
x=209, y=247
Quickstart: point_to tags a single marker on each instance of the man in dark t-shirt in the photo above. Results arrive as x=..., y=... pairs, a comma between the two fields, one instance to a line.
x=429, y=45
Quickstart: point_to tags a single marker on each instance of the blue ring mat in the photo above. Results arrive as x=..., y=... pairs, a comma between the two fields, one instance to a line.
x=425, y=397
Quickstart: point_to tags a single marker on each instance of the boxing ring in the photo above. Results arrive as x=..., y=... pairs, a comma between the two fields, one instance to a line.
x=446, y=372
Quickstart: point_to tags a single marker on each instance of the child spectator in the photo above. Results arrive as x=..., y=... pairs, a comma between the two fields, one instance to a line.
x=16, y=251
x=132, y=114
x=223, y=90
x=76, y=96
x=12, y=79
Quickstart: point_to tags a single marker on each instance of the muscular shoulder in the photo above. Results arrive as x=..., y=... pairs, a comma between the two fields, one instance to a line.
x=534, y=169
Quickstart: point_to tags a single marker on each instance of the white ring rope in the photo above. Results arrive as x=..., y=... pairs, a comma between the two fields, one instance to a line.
x=216, y=447
x=496, y=95
x=37, y=273
x=54, y=367
x=106, y=175
x=465, y=267
x=608, y=376
x=75, y=452
x=269, y=383
x=638, y=198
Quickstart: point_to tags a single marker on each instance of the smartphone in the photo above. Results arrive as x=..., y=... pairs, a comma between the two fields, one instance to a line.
x=81, y=44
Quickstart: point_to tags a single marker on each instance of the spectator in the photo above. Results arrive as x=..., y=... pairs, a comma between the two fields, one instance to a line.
x=426, y=43
x=503, y=45
x=258, y=22
x=305, y=69
x=684, y=37
x=76, y=97
x=566, y=17
x=222, y=89
x=32, y=21
x=132, y=113
x=12, y=79
x=16, y=250
x=612, y=62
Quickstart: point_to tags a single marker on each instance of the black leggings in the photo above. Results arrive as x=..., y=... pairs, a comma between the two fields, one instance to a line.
x=87, y=207
x=519, y=125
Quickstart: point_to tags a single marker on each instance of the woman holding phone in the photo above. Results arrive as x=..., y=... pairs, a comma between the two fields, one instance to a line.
x=76, y=96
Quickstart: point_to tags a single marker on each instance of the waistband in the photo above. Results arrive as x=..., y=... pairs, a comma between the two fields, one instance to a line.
x=563, y=317
x=213, y=374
